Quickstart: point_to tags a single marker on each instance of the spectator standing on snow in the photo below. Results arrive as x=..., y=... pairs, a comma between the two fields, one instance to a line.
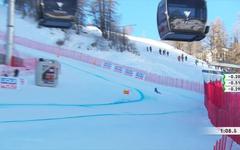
x=186, y=58
x=16, y=73
x=179, y=58
x=160, y=51
x=167, y=53
x=150, y=49
x=182, y=57
x=196, y=62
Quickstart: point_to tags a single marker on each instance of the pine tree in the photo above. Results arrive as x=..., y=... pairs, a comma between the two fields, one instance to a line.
x=216, y=41
x=81, y=14
x=111, y=17
x=236, y=34
x=217, y=37
x=26, y=7
x=103, y=12
x=235, y=52
x=94, y=13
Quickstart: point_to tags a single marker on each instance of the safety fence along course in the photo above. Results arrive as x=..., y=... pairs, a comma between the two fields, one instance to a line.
x=223, y=108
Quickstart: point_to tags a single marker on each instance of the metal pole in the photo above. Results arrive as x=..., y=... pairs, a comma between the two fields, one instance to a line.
x=10, y=31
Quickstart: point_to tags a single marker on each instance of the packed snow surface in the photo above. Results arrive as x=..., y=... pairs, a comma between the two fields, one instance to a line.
x=88, y=109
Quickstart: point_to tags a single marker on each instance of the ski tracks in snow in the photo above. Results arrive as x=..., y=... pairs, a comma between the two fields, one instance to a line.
x=140, y=98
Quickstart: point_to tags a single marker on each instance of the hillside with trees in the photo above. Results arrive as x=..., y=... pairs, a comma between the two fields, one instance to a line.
x=102, y=14
x=218, y=46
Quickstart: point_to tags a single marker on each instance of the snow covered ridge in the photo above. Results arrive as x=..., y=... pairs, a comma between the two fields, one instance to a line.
x=129, y=71
x=151, y=62
x=165, y=70
x=92, y=30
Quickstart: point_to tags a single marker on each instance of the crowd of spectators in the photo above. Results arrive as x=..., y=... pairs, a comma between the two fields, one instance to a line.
x=161, y=51
x=182, y=58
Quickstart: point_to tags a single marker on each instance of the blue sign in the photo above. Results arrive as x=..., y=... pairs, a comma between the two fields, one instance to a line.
x=139, y=75
x=128, y=72
x=118, y=69
x=8, y=83
x=107, y=65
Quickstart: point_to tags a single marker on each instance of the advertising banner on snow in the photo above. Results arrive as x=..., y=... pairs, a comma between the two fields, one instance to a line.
x=9, y=83
x=107, y=65
x=140, y=75
x=118, y=69
x=128, y=72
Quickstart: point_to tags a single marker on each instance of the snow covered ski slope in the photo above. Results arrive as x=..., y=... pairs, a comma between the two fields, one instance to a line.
x=89, y=111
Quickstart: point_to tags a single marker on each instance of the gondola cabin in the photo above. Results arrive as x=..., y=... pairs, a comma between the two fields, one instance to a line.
x=182, y=20
x=56, y=13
